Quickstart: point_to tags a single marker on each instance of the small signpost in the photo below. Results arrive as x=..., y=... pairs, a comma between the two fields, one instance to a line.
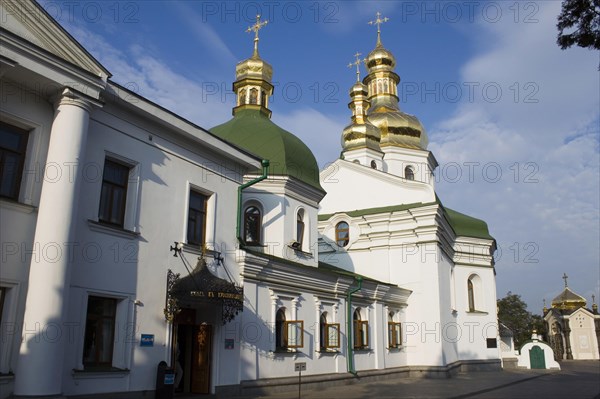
x=300, y=367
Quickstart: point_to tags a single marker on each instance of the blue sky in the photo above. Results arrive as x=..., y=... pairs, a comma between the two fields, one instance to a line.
x=512, y=119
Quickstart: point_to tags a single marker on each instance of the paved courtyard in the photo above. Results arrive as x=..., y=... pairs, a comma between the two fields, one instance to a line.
x=576, y=380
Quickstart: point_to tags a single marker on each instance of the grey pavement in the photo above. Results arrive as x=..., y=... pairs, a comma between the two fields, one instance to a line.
x=576, y=380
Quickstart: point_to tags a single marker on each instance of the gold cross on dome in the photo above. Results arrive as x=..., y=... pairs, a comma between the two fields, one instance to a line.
x=357, y=64
x=258, y=25
x=565, y=277
x=378, y=21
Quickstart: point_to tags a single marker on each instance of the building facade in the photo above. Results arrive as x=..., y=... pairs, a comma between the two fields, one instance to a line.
x=131, y=236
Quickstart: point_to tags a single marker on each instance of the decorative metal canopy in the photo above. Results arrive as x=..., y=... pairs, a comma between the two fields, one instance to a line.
x=201, y=286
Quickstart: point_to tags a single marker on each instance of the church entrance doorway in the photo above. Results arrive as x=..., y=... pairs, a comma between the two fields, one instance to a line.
x=192, y=353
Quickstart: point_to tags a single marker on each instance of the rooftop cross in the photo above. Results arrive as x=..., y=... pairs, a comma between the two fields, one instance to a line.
x=565, y=277
x=255, y=28
x=357, y=64
x=378, y=21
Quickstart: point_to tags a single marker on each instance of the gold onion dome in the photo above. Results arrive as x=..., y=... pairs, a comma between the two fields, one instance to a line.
x=397, y=128
x=567, y=299
x=251, y=127
x=360, y=133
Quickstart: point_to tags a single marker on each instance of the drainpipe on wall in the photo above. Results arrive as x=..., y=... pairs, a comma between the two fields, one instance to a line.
x=349, y=328
x=238, y=227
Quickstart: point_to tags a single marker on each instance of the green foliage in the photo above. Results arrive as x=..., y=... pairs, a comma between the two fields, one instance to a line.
x=512, y=312
x=582, y=19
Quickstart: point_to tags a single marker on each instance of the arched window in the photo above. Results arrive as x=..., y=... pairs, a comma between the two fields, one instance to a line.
x=323, y=331
x=342, y=234
x=329, y=333
x=280, y=336
x=300, y=227
x=242, y=98
x=252, y=225
x=471, y=294
x=409, y=173
x=253, y=96
x=361, y=331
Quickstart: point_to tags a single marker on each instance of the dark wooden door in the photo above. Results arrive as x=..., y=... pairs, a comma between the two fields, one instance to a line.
x=201, y=359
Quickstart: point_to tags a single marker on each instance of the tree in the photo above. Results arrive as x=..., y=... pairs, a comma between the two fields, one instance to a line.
x=584, y=17
x=512, y=312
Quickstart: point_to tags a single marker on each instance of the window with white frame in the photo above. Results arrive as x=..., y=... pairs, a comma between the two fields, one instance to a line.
x=394, y=331
x=13, y=146
x=329, y=333
x=409, y=173
x=196, y=227
x=300, y=228
x=118, y=196
x=252, y=225
x=342, y=234
x=99, y=331
x=474, y=293
x=361, y=330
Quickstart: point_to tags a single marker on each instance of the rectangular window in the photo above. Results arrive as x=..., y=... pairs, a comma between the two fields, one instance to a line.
x=332, y=336
x=361, y=334
x=394, y=335
x=196, y=219
x=13, y=145
x=294, y=334
x=99, y=331
x=114, y=193
x=492, y=343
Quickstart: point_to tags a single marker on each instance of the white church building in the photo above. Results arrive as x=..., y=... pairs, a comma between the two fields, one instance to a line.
x=131, y=236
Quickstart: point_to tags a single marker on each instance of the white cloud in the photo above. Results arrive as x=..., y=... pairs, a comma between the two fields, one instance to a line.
x=544, y=211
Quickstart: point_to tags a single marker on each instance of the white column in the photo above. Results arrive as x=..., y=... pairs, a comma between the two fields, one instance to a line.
x=40, y=366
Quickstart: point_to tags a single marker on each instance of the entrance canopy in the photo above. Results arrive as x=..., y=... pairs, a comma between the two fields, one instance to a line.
x=201, y=286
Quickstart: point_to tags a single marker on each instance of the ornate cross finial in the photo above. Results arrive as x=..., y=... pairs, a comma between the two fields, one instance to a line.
x=378, y=21
x=593, y=299
x=565, y=277
x=255, y=28
x=544, y=302
x=357, y=64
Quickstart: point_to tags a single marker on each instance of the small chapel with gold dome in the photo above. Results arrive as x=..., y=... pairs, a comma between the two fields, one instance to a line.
x=573, y=328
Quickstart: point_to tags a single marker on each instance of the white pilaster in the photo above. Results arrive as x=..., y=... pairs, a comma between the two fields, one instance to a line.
x=44, y=333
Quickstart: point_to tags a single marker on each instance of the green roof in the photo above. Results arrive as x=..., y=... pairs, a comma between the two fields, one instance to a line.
x=467, y=226
x=463, y=225
x=253, y=131
x=374, y=211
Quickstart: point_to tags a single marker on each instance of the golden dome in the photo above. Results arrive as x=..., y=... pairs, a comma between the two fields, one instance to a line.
x=398, y=128
x=360, y=136
x=567, y=299
x=253, y=77
x=254, y=68
x=380, y=59
x=360, y=133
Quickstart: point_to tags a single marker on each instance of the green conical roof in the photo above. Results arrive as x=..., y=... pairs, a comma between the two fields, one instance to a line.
x=254, y=131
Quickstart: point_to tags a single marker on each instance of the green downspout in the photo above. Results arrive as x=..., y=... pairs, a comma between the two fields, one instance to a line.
x=349, y=329
x=265, y=171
